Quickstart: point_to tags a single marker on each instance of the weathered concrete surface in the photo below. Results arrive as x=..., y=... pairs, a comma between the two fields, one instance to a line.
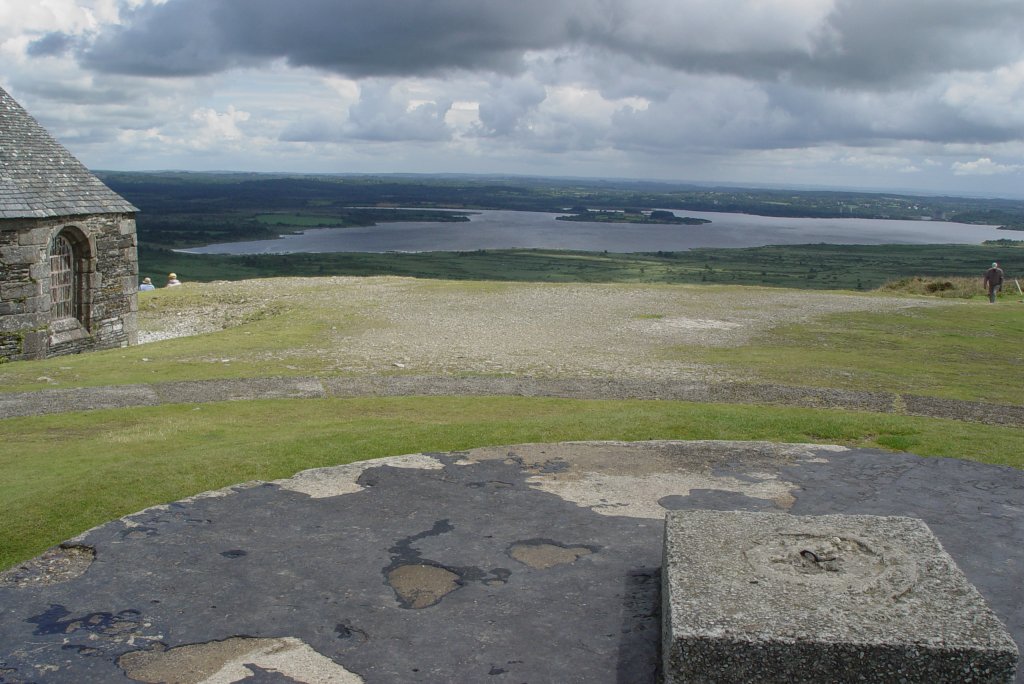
x=234, y=659
x=780, y=598
x=14, y=404
x=548, y=582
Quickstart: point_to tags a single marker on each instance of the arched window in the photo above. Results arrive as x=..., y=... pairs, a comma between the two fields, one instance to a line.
x=63, y=279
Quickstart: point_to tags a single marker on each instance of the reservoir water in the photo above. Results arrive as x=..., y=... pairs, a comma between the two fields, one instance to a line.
x=492, y=229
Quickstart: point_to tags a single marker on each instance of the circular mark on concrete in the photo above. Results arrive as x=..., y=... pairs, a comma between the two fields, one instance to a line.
x=420, y=585
x=542, y=554
x=820, y=559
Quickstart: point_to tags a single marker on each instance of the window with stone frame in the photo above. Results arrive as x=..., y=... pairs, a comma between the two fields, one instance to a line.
x=64, y=293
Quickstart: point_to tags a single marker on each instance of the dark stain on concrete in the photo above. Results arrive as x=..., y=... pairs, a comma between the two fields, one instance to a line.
x=57, y=620
x=546, y=466
x=234, y=553
x=138, y=532
x=498, y=576
x=350, y=633
x=404, y=553
x=639, y=638
x=555, y=465
x=490, y=484
x=717, y=500
x=263, y=676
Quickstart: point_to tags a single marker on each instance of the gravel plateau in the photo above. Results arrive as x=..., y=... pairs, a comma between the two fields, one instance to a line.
x=389, y=336
x=538, y=330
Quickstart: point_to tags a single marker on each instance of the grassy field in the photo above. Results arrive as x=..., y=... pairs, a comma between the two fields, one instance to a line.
x=817, y=267
x=65, y=474
x=957, y=352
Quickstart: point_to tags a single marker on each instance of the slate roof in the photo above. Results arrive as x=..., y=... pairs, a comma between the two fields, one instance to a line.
x=39, y=178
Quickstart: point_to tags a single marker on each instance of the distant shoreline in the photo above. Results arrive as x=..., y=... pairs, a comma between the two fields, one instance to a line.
x=654, y=217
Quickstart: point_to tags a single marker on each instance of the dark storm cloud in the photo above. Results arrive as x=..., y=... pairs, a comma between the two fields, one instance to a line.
x=73, y=93
x=502, y=110
x=863, y=44
x=887, y=42
x=867, y=44
x=356, y=38
x=50, y=45
x=743, y=117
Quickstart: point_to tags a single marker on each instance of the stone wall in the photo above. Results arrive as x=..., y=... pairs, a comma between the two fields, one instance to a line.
x=107, y=263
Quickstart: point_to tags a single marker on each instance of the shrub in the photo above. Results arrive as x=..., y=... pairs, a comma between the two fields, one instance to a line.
x=955, y=287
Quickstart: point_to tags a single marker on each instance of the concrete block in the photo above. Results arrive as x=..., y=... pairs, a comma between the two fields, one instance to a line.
x=19, y=322
x=39, y=271
x=33, y=345
x=21, y=255
x=22, y=290
x=41, y=304
x=12, y=307
x=778, y=598
x=37, y=237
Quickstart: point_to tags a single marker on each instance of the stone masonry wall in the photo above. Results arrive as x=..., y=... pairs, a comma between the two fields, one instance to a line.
x=109, y=277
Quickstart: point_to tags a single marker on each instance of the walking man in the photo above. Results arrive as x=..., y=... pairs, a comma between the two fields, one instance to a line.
x=993, y=281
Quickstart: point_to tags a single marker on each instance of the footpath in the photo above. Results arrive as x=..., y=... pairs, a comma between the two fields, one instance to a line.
x=48, y=401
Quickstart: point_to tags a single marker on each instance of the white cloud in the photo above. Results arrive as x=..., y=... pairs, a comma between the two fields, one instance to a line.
x=992, y=98
x=213, y=125
x=984, y=167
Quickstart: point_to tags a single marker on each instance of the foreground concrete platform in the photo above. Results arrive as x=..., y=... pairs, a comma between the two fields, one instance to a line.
x=530, y=563
x=779, y=598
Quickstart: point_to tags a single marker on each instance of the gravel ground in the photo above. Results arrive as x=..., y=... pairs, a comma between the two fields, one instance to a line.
x=536, y=330
x=389, y=336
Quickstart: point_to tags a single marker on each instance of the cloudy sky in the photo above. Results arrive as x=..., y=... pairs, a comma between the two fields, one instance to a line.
x=880, y=94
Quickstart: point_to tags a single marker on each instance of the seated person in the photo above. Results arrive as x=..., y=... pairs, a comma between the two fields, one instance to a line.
x=146, y=285
x=172, y=280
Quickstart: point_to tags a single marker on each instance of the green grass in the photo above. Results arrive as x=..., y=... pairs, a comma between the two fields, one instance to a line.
x=244, y=351
x=973, y=351
x=298, y=220
x=64, y=474
x=815, y=267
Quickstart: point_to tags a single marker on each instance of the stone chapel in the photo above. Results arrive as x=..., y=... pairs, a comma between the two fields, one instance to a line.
x=68, y=259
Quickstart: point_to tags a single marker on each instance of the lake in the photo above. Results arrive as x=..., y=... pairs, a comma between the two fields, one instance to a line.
x=493, y=229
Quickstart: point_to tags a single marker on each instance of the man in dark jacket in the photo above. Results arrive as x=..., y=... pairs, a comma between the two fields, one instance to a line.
x=994, y=281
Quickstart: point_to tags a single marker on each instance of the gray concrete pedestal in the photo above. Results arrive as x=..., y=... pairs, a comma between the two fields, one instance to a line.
x=780, y=598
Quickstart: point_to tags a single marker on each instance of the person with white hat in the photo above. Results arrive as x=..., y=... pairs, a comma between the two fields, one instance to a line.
x=993, y=281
